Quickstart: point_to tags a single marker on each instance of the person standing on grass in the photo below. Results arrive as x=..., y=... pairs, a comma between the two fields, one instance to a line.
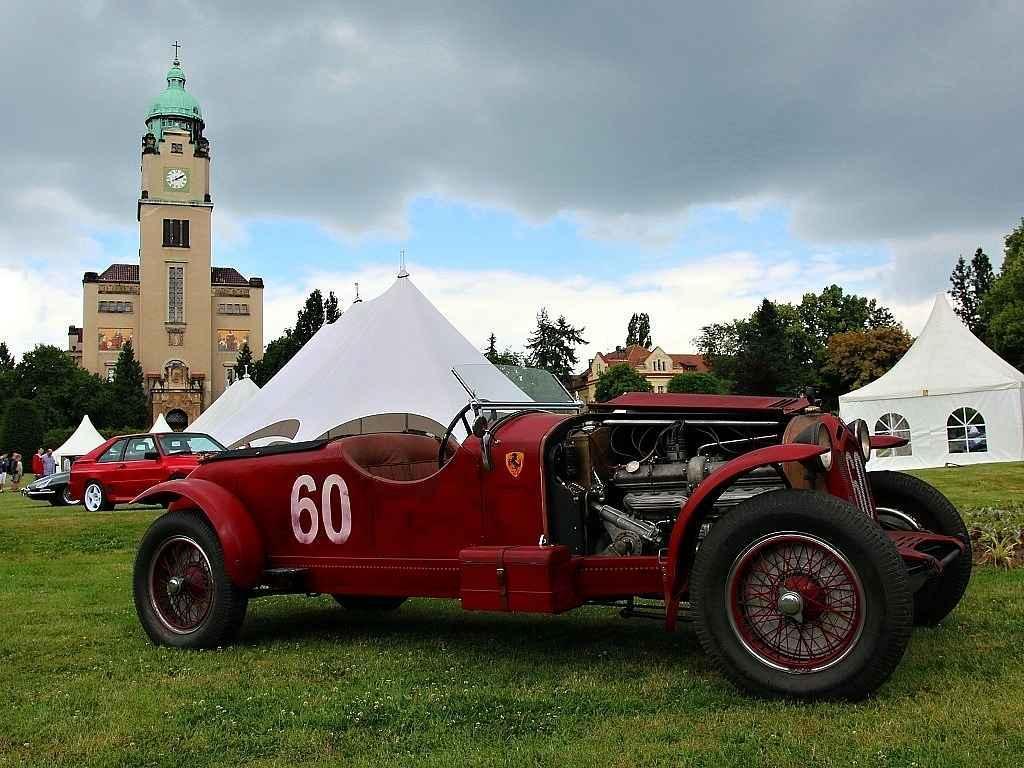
x=37, y=463
x=5, y=463
x=15, y=470
x=49, y=463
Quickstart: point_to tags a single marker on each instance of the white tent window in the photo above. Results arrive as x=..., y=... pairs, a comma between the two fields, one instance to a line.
x=894, y=425
x=965, y=431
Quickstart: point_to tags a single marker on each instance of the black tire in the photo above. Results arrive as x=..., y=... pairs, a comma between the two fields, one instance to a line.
x=62, y=498
x=219, y=622
x=88, y=499
x=932, y=511
x=369, y=603
x=879, y=621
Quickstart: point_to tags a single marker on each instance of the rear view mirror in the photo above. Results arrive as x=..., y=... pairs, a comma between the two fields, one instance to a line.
x=480, y=426
x=151, y=456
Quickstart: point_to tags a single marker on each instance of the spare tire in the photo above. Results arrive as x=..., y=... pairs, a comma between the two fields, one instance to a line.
x=905, y=502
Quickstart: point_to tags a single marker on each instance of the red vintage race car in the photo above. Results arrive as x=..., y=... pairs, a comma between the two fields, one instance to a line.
x=123, y=467
x=753, y=517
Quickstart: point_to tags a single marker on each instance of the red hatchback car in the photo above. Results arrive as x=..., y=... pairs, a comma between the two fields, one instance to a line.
x=123, y=467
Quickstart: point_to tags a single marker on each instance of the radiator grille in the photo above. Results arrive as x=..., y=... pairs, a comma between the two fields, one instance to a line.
x=857, y=477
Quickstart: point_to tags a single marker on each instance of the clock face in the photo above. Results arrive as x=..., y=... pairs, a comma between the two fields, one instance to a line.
x=176, y=178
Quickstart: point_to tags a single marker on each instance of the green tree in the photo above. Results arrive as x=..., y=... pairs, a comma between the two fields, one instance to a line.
x=501, y=357
x=127, y=389
x=332, y=311
x=552, y=345
x=23, y=429
x=834, y=311
x=244, y=363
x=638, y=331
x=61, y=390
x=1003, y=306
x=6, y=359
x=771, y=358
x=697, y=382
x=856, y=358
x=619, y=379
x=970, y=284
x=310, y=318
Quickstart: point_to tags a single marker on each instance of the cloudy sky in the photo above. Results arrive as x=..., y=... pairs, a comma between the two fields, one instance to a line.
x=596, y=158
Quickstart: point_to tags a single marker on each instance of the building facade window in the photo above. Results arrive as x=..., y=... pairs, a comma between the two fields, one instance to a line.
x=176, y=149
x=110, y=373
x=232, y=309
x=965, y=431
x=175, y=233
x=175, y=293
x=115, y=306
x=894, y=425
x=112, y=339
x=229, y=340
x=229, y=376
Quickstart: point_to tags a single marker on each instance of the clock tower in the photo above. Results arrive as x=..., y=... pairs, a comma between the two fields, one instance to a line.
x=186, y=318
x=175, y=216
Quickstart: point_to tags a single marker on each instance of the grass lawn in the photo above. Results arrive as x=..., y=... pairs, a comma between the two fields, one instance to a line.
x=309, y=683
x=985, y=485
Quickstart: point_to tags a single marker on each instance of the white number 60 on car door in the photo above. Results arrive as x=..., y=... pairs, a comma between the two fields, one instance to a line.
x=304, y=504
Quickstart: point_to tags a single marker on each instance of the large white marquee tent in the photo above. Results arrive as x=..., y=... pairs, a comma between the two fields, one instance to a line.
x=384, y=364
x=84, y=439
x=215, y=420
x=956, y=399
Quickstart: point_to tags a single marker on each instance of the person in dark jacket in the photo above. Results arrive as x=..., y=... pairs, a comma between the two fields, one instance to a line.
x=5, y=464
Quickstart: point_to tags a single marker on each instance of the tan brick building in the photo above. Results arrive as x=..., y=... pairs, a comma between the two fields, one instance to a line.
x=187, y=319
x=656, y=365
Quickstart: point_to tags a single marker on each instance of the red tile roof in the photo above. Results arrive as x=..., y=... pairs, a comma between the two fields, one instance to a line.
x=120, y=273
x=634, y=354
x=129, y=273
x=694, y=362
x=227, y=276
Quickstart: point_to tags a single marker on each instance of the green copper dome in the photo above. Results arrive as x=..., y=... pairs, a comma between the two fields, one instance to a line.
x=173, y=104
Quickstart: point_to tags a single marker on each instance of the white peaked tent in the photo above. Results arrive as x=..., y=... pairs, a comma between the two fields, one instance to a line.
x=390, y=355
x=160, y=426
x=80, y=443
x=956, y=399
x=215, y=419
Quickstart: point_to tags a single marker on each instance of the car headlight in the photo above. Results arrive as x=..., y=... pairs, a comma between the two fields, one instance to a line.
x=863, y=435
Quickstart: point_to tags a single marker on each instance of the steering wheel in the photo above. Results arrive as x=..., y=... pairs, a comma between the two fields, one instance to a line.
x=442, y=450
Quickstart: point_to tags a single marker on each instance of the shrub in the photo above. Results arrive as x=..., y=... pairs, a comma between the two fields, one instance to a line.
x=997, y=535
x=697, y=383
x=618, y=380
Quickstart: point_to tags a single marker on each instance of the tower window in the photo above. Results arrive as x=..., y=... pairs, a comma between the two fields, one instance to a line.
x=176, y=149
x=175, y=293
x=175, y=233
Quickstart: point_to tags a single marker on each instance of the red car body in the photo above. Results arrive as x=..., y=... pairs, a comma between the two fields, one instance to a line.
x=142, y=462
x=508, y=522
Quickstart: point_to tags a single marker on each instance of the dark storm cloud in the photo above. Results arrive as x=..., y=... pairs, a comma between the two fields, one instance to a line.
x=873, y=122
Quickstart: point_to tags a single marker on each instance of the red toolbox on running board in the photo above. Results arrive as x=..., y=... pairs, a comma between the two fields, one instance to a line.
x=535, y=579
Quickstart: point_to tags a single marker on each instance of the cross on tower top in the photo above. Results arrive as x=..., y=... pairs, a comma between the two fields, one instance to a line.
x=177, y=45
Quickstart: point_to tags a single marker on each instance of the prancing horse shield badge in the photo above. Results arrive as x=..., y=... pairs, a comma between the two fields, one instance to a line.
x=514, y=462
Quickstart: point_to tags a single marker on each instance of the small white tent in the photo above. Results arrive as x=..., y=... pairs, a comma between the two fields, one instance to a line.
x=80, y=443
x=956, y=399
x=389, y=358
x=160, y=426
x=215, y=419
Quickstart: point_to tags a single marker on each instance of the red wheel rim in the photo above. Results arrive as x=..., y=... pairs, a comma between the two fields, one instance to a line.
x=795, y=602
x=181, y=585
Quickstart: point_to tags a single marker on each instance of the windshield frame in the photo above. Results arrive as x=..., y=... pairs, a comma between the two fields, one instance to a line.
x=161, y=437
